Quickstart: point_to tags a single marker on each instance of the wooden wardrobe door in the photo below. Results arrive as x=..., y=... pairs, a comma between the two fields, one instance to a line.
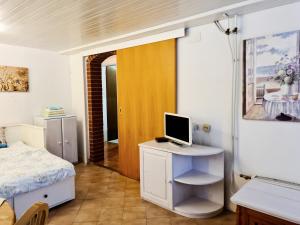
x=146, y=88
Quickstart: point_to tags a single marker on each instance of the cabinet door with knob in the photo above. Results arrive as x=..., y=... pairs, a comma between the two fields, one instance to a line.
x=54, y=142
x=69, y=135
x=156, y=176
x=61, y=136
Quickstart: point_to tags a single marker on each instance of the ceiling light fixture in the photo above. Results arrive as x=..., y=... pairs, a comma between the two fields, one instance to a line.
x=3, y=27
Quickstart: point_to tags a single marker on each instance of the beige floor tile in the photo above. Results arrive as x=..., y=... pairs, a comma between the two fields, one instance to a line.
x=111, y=222
x=132, y=192
x=71, y=205
x=92, y=204
x=135, y=222
x=132, y=213
x=107, y=214
x=60, y=223
x=63, y=217
x=87, y=215
x=156, y=212
x=115, y=194
x=104, y=197
x=81, y=193
x=113, y=202
x=51, y=214
x=135, y=202
x=86, y=223
x=183, y=221
x=159, y=221
x=97, y=188
x=132, y=185
x=96, y=195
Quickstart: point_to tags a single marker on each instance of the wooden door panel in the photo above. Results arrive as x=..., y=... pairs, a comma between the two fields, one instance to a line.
x=146, y=88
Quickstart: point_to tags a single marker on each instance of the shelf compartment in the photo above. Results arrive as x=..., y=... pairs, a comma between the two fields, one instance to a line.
x=198, y=208
x=195, y=177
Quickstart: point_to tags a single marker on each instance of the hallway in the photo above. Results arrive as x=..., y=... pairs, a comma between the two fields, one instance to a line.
x=111, y=156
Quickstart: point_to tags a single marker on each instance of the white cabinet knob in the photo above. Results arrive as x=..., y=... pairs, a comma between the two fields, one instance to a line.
x=67, y=141
x=59, y=142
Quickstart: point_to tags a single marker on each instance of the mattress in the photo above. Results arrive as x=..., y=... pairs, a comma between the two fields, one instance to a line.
x=24, y=169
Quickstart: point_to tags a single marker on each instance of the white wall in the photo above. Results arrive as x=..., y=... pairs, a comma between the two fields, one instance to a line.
x=204, y=92
x=271, y=148
x=78, y=102
x=204, y=89
x=204, y=86
x=49, y=83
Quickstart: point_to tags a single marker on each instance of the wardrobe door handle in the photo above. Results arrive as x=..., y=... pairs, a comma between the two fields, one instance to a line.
x=59, y=142
x=67, y=141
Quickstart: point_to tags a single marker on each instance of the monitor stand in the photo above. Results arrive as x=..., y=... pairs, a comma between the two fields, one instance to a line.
x=176, y=144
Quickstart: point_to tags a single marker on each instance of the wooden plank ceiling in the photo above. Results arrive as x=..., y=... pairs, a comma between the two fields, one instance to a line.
x=62, y=24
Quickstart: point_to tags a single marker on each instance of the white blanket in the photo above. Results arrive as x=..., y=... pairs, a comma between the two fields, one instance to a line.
x=24, y=169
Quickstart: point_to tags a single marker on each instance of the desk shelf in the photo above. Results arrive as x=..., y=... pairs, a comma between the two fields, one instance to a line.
x=186, y=180
x=195, y=177
x=198, y=207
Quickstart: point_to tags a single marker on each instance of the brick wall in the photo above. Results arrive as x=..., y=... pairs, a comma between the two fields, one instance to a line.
x=95, y=107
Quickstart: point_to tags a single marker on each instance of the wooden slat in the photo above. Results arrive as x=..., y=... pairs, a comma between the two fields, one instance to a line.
x=146, y=81
x=60, y=25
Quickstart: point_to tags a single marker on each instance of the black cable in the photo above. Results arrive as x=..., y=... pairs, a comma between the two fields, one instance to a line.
x=219, y=26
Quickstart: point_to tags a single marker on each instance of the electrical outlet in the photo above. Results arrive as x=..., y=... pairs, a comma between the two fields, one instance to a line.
x=195, y=127
x=206, y=128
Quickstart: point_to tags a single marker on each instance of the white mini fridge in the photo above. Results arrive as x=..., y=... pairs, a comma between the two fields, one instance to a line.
x=60, y=136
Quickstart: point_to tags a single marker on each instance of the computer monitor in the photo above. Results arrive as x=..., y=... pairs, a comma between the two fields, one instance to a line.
x=178, y=128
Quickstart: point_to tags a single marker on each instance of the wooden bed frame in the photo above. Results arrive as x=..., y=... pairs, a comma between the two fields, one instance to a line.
x=54, y=194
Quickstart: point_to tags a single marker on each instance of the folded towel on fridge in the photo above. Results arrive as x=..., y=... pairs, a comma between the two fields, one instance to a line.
x=54, y=107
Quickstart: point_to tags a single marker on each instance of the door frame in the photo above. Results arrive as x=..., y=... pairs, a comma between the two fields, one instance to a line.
x=81, y=72
x=107, y=65
x=89, y=104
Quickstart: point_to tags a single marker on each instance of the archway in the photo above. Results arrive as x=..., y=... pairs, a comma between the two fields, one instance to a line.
x=95, y=105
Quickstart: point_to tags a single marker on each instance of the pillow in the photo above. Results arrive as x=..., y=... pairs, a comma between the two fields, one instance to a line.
x=3, y=143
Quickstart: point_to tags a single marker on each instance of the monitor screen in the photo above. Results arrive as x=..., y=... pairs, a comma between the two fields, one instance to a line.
x=177, y=127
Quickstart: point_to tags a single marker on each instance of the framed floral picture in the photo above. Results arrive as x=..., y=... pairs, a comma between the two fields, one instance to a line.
x=13, y=79
x=271, y=72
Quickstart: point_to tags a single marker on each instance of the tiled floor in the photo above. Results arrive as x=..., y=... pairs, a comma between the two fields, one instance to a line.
x=111, y=156
x=104, y=197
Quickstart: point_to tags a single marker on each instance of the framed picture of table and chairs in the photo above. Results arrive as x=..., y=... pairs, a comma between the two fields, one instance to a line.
x=271, y=72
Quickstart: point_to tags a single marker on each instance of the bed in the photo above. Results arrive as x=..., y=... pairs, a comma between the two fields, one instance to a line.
x=29, y=173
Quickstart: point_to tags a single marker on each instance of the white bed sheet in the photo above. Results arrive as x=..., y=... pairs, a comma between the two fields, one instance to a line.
x=24, y=169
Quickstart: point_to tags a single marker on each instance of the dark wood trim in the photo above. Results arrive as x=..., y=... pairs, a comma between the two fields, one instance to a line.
x=247, y=216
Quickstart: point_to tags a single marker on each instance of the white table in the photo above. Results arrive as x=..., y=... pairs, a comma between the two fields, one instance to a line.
x=275, y=103
x=275, y=199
